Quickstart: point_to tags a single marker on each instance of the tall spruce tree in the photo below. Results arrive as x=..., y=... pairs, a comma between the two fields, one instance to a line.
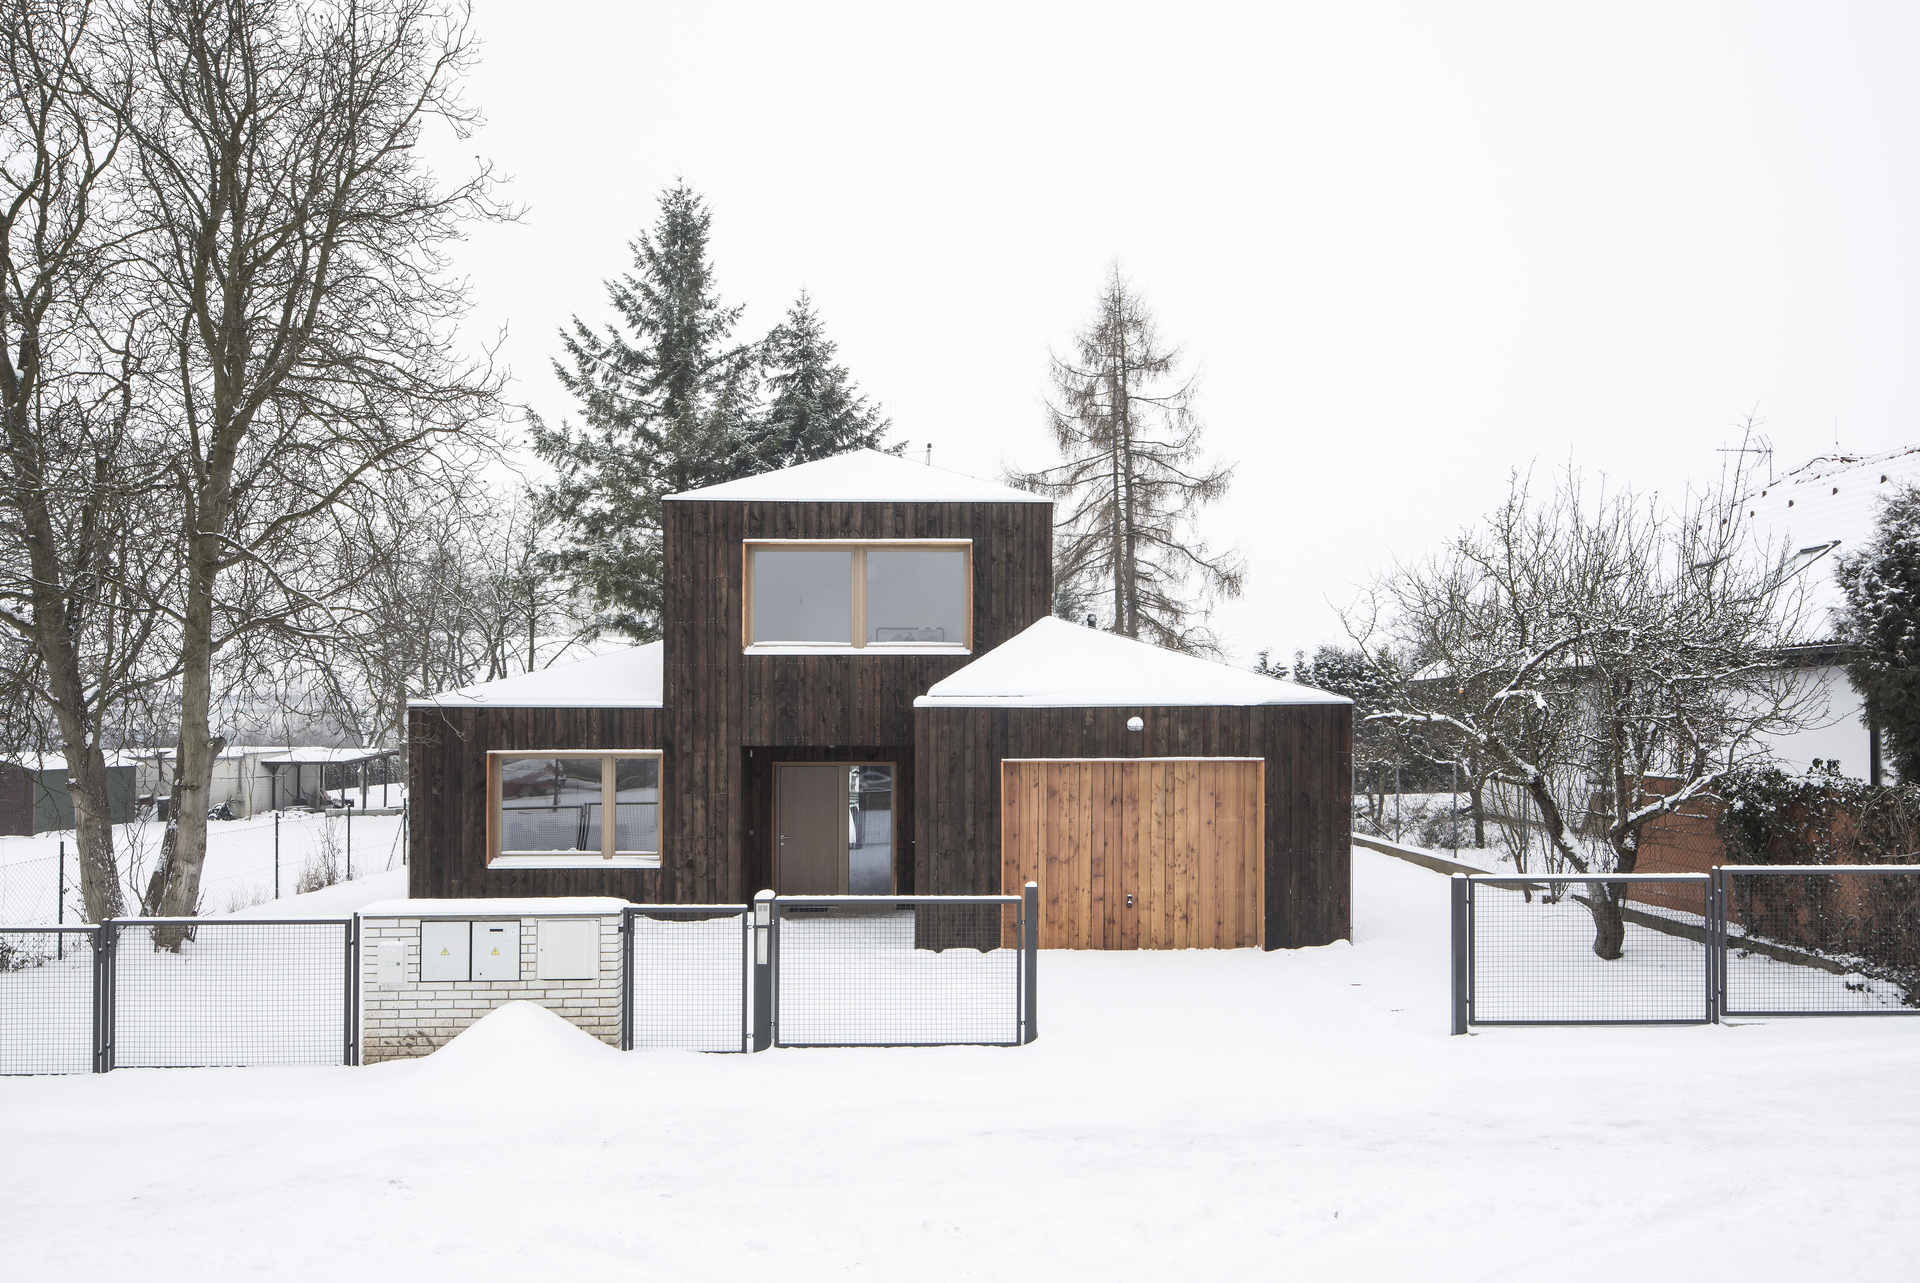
x=668, y=403
x=813, y=409
x=1881, y=625
x=1132, y=481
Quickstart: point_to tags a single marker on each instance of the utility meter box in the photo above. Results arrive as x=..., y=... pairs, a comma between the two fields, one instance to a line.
x=496, y=951
x=445, y=950
x=568, y=949
x=390, y=963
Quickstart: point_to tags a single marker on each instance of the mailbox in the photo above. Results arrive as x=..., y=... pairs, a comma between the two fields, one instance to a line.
x=568, y=949
x=390, y=964
x=445, y=950
x=496, y=951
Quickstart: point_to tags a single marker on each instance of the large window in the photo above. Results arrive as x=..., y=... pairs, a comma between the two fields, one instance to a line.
x=875, y=595
x=550, y=810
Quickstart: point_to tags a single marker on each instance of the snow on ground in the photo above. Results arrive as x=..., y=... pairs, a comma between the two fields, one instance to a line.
x=1207, y=1115
x=240, y=869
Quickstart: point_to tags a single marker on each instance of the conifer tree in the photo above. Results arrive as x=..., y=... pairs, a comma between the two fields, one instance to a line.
x=813, y=410
x=667, y=402
x=1133, y=482
x=1881, y=624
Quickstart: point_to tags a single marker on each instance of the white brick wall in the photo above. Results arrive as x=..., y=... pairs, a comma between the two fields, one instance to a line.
x=419, y=1017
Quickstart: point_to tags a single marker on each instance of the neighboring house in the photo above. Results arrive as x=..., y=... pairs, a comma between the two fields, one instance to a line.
x=254, y=778
x=860, y=690
x=1821, y=512
x=34, y=797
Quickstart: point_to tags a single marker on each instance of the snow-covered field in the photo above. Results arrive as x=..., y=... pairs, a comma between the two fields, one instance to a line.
x=240, y=860
x=1193, y=1115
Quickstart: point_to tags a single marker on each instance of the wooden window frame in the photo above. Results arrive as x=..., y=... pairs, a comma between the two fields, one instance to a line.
x=858, y=622
x=608, y=858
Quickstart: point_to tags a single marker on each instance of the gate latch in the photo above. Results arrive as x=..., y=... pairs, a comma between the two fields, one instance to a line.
x=1129, y=899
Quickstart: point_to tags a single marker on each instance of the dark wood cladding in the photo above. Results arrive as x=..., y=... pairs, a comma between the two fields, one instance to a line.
x=1309, y=754
x=722, y=701
x=756, y=778
x=447, y=791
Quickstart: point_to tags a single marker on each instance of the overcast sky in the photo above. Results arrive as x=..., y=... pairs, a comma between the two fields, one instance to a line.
x=1409, y=247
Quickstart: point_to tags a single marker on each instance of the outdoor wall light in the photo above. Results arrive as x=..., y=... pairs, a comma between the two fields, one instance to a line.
x=1136, y=724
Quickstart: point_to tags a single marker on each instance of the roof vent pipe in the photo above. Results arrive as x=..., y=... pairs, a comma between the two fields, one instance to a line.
x=929, y=454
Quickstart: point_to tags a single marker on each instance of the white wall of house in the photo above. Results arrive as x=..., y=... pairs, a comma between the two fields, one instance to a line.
x=1837, y=732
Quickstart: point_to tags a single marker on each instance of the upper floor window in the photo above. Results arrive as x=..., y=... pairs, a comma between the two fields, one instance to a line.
x=905, y=594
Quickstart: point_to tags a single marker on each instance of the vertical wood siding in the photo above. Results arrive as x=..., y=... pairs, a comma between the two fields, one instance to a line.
x=1308, y=748
x=1074, y=827
x=723, y=702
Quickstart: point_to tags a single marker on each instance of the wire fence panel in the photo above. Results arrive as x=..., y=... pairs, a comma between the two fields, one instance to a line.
x=47, y=1001
x=687, y=977
x=233, y=992
x=1532, y=956
x=1821, y=940
x=896, y=971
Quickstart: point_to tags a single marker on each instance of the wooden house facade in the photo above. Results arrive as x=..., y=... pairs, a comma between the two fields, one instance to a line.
x=790, y=731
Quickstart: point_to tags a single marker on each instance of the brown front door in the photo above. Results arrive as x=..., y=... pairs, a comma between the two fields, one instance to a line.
x=810, y=829
x=1163, y=853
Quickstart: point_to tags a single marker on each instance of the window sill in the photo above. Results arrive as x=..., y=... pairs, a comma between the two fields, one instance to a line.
x=573, y=862
x=871, y=648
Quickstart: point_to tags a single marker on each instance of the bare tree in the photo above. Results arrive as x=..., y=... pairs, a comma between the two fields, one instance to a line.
x=1608, y=660
x=293, y=243
x=1132, y=476
x=83, y=544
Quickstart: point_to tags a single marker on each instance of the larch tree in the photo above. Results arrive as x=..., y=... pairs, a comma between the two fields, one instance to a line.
x=813, y=409
x=1880, y=623
x=1133, y=481
x=292, y=245
x=667, y=401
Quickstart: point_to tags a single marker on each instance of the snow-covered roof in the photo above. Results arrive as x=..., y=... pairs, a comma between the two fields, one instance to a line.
x=1824, y=510
x=1055, y=664
x=863, y=476
x=631, y=677
x=308, y=756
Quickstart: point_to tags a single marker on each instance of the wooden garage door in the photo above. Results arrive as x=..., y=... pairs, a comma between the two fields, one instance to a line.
x=1157, y=853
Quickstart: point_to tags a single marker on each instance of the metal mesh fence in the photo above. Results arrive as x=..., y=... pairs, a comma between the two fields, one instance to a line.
x=686, y=980
x=1824, y=939
x=47, y=1001
x=1532, y=956
x=231, y=992
x=906, y=971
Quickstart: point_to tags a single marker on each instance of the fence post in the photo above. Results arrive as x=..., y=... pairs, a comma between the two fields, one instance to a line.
x=763, y=970
x=1716, y=942
x=276, y=855
x=351, y=1054
x=1030, y=963
x=60, y=906
x=349, y=840
x=406, y=830
x=104, y=937
x=1459, y=887
x=626, y=980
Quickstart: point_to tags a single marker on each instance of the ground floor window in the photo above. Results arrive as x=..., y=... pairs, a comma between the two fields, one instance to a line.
x=570, y=809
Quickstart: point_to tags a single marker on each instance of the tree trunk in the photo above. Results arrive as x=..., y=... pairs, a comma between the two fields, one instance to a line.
x=184, y=851
x=1609, y=927
x=1476, y=798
